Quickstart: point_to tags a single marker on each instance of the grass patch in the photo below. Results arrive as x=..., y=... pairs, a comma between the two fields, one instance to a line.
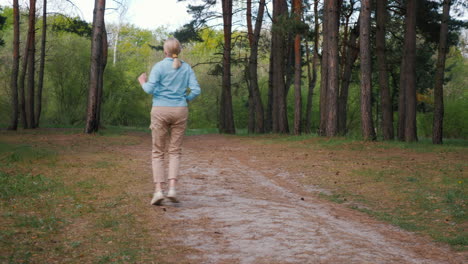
x=336, y=198
x=425, y=145
x=18, y=185
x=204, y=131
x=75, y=209
x=10, y=153
x=48, y=223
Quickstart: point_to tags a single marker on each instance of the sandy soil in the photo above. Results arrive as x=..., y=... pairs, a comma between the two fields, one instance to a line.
x=240, y=206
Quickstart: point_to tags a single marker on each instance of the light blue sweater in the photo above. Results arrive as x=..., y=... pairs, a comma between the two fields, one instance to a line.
x=169, y=86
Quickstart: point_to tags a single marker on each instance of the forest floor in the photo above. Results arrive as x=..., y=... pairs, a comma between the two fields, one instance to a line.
x=68, y=198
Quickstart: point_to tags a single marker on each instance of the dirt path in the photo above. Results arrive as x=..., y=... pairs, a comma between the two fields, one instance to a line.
x=238, y=207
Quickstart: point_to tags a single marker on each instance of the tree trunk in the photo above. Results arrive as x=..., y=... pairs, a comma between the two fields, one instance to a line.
x=345, y=45
x=324, y=72
x=312, y=77
x=333, y=68
x=279, y=111
x=253, y=74
x=437, y=129
x=351, y=55
x=40, y=84
x=297, y=6
x=251, y=123
x=31, y=64
x=367, y=125
x=410, y=72
x=226, y=114
x=402, y=100
x=385, y=97
x=15, y=68
x=105, y=47
x=92, y=119
x=269, y=112
x=21, y=84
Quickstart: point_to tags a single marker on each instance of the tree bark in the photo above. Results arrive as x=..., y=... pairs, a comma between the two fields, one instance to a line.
x=324, y=72
x=410, y=72
x=437, y=129
x=253, y=73
x=251, y=123
x=31, y=64
x=402, y=100
x=15, y=68
x=21, y=84
x=92, y=119
x=333, y=68
x=105, y=47
x=352, y=52
x=269, y=112
x=297, y=6
x=40, y=83
x=385, y=97
x=226, y=116
x=279, y=111
x=312, y=76
x=367, y=125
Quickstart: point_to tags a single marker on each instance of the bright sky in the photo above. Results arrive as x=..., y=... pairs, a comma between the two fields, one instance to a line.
x=148, y=14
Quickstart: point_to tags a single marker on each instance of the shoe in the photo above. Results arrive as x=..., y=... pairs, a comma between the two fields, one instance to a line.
x=172, y=195
x=158, y=197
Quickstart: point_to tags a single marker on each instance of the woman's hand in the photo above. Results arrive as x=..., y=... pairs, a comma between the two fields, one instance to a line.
x=142, y=78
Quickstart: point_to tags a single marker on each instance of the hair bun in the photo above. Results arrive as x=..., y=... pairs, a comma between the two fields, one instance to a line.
x=174, y=56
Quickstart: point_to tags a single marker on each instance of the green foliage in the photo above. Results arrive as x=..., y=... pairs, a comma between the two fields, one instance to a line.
x=187, y=33
x=61, y=23
x=2, y=23
x=67, y=74
x=455, y=100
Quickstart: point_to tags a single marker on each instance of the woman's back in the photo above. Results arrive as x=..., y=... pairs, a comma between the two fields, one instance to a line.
x=168, y=85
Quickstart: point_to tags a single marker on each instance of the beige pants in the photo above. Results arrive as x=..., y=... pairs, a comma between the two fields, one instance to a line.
x=167, y=127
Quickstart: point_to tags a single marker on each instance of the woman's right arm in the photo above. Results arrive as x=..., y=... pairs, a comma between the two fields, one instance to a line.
x=194, y=86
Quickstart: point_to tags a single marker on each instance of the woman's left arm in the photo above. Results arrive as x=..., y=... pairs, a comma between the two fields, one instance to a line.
x=150, y=85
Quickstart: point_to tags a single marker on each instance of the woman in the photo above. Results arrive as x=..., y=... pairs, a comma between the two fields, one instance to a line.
x=168, y=83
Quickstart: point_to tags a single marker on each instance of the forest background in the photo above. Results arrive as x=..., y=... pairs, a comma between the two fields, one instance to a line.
x=134, y=50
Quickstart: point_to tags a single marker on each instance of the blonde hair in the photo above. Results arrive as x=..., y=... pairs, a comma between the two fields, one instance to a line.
x=172, y=48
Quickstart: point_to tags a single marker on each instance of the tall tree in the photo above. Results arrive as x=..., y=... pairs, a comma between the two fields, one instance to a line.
x=350, y=55
x=254, y=91
x=312, y=71
x=402, y=100
x=21, y=88
x=15, y=68
x=122, y=10
x=101, y=74
x=324, y=71
x=385, y=97
x=410, y=71
x=40, y=83
x=366, y=72
x=92, y=119
x=333, y=20
x=437, y=128
x=226, y=116
x=31, y=63
x=297, y=8
x=278, y=47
